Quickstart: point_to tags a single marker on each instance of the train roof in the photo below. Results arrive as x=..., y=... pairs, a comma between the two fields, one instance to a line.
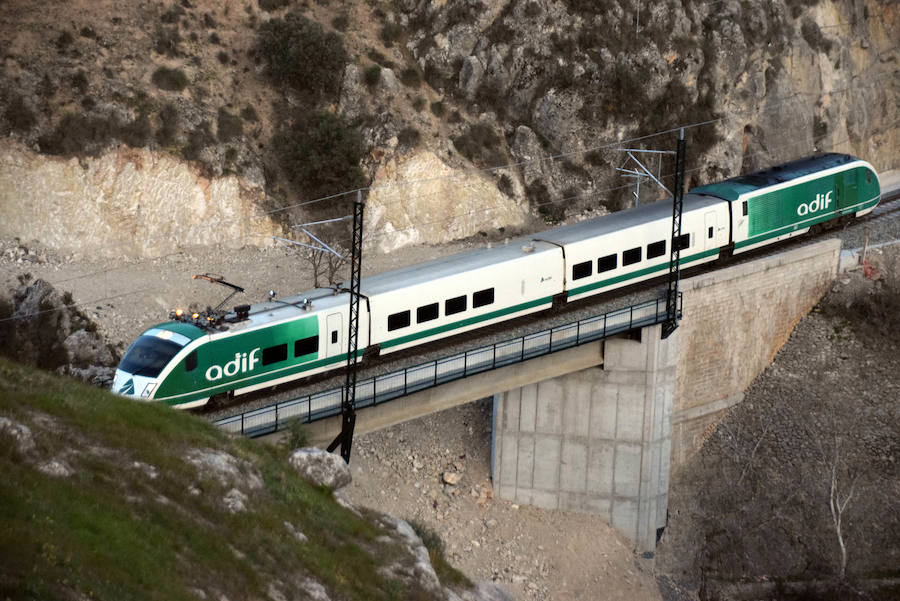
x=732, y=188
x=452, y=265
x=622, y=220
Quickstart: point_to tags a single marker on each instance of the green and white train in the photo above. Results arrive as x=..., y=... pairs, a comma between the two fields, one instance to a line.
x=185, y=362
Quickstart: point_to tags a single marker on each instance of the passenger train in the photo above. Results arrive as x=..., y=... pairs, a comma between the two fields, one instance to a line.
x=188, y=360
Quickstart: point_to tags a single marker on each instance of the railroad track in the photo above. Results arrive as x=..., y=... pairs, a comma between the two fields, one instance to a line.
x=887, y=210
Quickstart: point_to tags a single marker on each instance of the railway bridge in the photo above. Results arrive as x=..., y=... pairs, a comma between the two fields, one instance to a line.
x=594, y=416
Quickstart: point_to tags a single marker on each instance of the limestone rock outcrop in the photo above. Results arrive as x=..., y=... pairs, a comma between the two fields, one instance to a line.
x=420, y=199
x=127, y=202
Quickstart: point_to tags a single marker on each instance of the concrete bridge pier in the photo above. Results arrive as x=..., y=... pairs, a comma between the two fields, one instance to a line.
x=597, y=440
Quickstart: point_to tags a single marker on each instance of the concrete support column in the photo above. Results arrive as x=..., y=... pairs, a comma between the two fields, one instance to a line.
x=597, y=440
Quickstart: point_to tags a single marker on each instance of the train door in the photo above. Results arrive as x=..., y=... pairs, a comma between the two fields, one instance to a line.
x=709, y=233
x=333, y=335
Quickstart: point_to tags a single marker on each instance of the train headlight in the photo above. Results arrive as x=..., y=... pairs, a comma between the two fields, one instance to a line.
x=196, y=315
x=148, y=390
x=179, y=313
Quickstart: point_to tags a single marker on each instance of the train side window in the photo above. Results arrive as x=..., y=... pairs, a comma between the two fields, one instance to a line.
x=744, y=208
x=868, y=177
x=709, y=232
x=190, y=362
x=274, y=354
x=482, y=298
x=582, y=270
x=457, y=304
x=306, y=346
x=684, y=241
x=427, y=313
x=607, y=263
x=631, y=256
x=334, y=336
x=656, y=249
x=398, y=320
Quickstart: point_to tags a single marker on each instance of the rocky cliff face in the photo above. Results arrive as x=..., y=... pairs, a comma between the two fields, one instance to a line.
x=536, y=95
x=126, y=202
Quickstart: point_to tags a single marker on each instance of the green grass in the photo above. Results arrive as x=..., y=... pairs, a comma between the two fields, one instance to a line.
x=109, y=531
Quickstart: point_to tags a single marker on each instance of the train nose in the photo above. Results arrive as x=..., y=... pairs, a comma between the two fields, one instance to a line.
x=123, y=383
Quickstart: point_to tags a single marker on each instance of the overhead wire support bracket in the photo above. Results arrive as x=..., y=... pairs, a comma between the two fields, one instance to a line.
x=348, y=401
x=672, y=315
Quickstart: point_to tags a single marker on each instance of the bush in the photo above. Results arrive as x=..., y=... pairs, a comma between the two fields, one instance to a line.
x=418, y=103
x=390, y=33
x=223, y=57
x=271, y=5
x=320, y=154
x=80, y=134
x=172, y=80
x=229, y=126
x=372, y=75
x=301, y=55
x=167, y=134
x=437, y=108
x=80, y=82
x=167, y=40
x=137, y=133
x=409, y=136
x=19, y=115
x=410, y=77
x=480, y=145
x=341, y=22
x=64, y=40
x=198, y=139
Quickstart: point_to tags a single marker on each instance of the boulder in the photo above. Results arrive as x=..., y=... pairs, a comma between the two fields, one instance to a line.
x=321, y=468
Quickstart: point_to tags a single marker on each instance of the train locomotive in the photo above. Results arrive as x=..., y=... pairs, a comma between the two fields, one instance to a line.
x=187, y=361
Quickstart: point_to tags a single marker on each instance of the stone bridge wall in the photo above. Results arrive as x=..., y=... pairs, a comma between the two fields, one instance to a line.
x=735, y=320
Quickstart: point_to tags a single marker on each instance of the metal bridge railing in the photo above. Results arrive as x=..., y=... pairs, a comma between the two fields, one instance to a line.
x=380, y=389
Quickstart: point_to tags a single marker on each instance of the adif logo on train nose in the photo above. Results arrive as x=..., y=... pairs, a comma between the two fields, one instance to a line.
x=242, y=363
x=820, y=203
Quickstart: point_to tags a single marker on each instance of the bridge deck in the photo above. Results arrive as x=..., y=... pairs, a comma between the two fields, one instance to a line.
x=387, y=387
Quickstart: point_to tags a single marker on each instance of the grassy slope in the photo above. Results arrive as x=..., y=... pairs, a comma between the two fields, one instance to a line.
x=110, y=531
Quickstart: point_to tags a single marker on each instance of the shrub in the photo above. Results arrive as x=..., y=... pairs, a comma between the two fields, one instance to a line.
x=198, y=139
x=167, y=134
x=229, y=126
x=480, y=145
x=167, y=40
x=390, y=33
x=437, y=109
x=409, y=136
x=137, y=133
x=340, y=22
x=320, y=154
x=372, y=75
x=172, y=80
x=80, y=134
x=19, y=115
x=271, y=5
x=80, y=82
x=64, y=40
x=88, y=32
x=418, y=103
x=300, y=54
x=223, y=57
x=410, y=77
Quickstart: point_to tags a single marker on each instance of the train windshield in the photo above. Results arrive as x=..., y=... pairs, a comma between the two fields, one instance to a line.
x=148, y=356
